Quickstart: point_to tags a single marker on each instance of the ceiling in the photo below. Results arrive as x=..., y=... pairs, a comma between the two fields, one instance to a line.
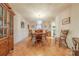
x=39, y=11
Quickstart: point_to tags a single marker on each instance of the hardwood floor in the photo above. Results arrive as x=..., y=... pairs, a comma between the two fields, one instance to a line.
x=25, y=48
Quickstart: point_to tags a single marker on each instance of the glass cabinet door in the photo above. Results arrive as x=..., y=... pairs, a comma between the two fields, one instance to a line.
x=1, y=11
x=5, y=23
x=1, y=22
x=5, y=17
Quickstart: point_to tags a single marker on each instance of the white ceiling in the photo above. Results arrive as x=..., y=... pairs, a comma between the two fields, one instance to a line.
x=39, y=11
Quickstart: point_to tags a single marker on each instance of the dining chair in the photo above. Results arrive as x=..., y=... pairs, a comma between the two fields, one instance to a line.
x=62, y=39
x=76, y=47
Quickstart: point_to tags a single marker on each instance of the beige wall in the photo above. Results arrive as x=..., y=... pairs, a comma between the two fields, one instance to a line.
x=73, y=27
x=65, y=14
x=62, y=15
x=19, y=33
x=75, y=20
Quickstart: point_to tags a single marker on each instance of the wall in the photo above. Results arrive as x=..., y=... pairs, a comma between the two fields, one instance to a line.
x=73, y=27
x=64, y=14
x=75, y=20
x=19, y=33
x=59, y=18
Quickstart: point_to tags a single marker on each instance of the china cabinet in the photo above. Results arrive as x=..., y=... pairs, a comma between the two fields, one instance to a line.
x=6, y=28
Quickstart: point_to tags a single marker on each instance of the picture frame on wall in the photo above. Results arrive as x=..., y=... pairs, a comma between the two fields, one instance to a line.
x=22, y=24
x=66, y=21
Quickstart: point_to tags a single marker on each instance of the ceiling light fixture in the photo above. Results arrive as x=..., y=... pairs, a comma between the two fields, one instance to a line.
x=39, y=15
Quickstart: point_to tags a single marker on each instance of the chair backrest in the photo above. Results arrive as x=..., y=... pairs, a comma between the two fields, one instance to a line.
x=74, y=51
x=76, y=46
x=63, y=34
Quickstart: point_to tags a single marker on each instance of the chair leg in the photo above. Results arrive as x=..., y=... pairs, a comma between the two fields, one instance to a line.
x=55, y=41
x=60, y=43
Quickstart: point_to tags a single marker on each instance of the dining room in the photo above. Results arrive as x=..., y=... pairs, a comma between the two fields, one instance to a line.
x=38, y=32
x=39, y=29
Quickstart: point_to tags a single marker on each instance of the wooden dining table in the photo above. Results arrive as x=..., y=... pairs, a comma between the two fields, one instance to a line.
x=38, y=36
